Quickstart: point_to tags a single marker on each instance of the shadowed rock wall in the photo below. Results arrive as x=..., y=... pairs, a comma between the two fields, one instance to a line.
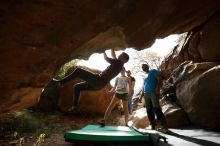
x=194, y=71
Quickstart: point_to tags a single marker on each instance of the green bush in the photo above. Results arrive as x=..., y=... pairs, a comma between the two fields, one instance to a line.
x=63, y=70
x=22, y=121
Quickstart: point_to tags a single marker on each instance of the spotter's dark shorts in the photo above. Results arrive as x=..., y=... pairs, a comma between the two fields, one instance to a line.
x=122, y=96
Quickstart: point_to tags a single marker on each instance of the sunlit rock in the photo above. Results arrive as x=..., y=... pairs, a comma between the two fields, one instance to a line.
x=139, y=118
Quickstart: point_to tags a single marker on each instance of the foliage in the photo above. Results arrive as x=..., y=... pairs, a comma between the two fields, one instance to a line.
x=21, y=141
x=20, y=122
x=17, y=124
x=47, y=129
x=40, y=138
x=150, y=58
x=63, y=70
x=153, y=59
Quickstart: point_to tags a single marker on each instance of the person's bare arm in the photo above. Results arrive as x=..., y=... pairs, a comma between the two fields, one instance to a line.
x=113, y=53
x=113, y=89
x=129, y=87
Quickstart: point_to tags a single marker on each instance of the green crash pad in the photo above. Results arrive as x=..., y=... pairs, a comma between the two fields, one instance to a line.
x=96, y=133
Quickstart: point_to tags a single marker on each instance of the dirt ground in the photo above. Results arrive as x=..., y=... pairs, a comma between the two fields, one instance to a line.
x=58, y=123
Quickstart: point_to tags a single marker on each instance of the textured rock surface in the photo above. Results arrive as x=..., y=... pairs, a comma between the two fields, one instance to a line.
x=139, y=119
x=37, y=37
x=199, y=95
x=174, y=114
x=201, y=45
x=193, y=67
x=209, y=46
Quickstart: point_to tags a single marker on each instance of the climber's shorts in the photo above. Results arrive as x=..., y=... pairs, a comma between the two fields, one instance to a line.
x=123, y=96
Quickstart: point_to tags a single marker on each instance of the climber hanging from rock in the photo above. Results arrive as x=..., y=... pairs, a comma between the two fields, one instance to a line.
x=93, y=81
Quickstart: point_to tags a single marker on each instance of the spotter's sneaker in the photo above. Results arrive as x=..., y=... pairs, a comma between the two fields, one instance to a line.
x=101, y=122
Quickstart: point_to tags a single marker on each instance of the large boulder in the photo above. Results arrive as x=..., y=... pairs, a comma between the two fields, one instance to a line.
x=175, y=115
x=198, y=93
x=192, y=68
x=140, y=119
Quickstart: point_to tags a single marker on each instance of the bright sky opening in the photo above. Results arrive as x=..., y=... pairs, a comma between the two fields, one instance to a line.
x=161, y=46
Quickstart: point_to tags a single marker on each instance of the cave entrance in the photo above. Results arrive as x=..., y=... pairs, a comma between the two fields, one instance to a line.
x=152, y=56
